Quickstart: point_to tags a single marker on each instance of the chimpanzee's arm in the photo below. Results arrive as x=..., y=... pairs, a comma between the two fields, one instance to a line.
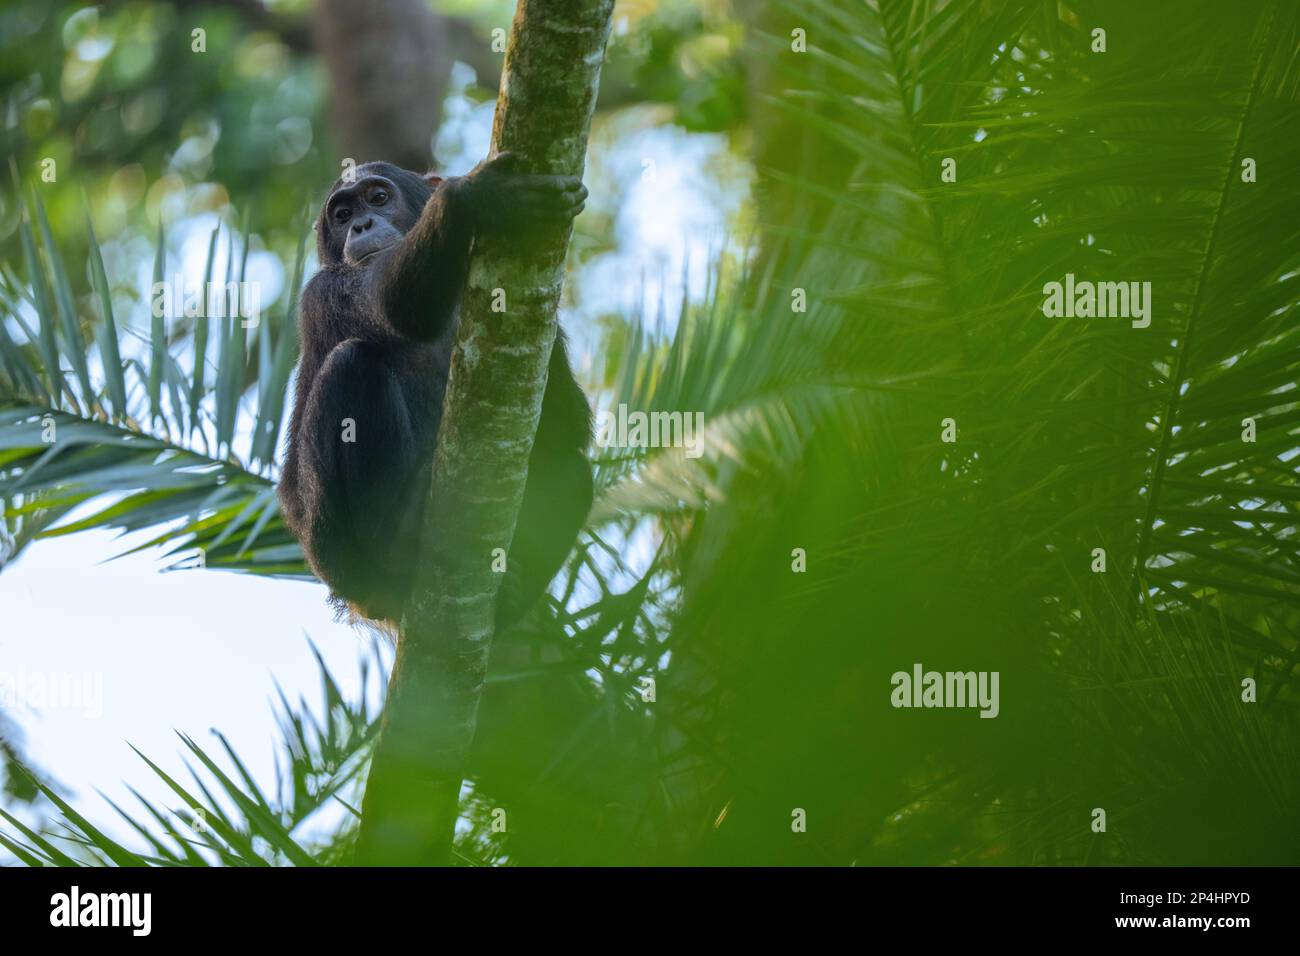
x=417, y=285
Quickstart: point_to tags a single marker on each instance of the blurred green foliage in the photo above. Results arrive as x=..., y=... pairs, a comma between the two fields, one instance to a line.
x=118, y=100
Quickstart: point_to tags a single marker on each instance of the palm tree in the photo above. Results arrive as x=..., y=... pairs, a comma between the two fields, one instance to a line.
x=1122, y=689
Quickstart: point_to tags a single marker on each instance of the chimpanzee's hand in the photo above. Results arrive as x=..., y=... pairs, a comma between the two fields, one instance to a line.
x=503, y=200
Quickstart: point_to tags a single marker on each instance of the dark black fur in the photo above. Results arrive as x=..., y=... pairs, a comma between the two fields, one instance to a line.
x=376, y=347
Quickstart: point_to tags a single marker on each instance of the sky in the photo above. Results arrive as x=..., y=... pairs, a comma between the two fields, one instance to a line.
x=148, y=653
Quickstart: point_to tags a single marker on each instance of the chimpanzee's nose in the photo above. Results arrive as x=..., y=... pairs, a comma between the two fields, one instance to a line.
x=361, y=225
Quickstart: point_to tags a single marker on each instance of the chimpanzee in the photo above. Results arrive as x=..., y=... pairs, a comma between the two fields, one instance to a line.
x=377, y=326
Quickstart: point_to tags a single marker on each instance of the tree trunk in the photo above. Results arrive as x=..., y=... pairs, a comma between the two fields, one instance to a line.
x=493, y=402
x=389, y=64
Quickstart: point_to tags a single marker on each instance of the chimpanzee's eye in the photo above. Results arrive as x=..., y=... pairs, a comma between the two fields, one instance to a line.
x=379, y=197
x=342, y=214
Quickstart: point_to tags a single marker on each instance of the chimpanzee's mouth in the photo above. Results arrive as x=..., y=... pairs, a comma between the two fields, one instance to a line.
x=356, y=261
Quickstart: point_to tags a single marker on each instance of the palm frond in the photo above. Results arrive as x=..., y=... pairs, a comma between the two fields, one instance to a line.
x=925, y=305
x=225, y=818
x=153, y=439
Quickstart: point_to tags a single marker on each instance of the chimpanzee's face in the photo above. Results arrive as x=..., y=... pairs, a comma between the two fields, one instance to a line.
x=371, y=213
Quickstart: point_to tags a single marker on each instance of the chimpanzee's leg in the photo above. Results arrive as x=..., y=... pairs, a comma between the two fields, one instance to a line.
x=359, y=458
x=556, y=501
x=557, y=496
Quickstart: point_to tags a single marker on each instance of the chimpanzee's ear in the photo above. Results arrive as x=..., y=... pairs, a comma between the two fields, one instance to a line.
x=432, y=179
